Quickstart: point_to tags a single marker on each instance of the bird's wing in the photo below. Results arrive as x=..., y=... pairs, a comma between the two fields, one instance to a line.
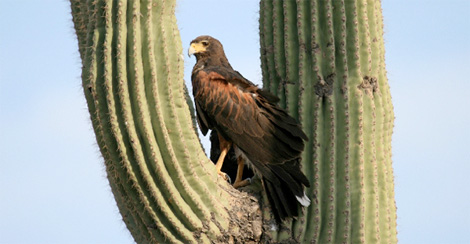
x=267, y=135
x=242, y=113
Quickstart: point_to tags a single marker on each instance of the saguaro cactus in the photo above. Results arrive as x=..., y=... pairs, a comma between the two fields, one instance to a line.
x=166, y=188
x=325, y=59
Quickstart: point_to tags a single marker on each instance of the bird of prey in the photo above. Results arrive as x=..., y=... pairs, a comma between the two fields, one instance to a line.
x=248, y=119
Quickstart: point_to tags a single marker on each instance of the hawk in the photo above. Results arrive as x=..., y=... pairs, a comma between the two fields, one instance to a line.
x=248, y=119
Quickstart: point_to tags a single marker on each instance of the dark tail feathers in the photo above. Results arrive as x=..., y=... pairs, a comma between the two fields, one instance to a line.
x=286, y=192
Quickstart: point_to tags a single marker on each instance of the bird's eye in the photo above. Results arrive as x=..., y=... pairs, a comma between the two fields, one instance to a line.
x=205, y=43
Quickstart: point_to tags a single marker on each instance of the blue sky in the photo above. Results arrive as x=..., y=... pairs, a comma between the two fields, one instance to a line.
x=53, y=187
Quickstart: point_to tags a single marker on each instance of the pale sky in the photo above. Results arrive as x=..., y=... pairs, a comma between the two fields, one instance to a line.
x=53, y=187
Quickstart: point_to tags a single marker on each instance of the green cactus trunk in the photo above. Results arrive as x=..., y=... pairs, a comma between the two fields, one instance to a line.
x=166, y=188
x=325, y=59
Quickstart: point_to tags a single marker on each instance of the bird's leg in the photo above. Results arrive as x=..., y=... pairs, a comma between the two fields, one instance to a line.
x=224, y=148
x=238, y=181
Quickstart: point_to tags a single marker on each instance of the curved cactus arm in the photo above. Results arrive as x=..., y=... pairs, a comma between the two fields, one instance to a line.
x=165, y=187
x=325, y=59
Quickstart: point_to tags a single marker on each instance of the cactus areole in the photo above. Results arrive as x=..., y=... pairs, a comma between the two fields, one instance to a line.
x=323, y=59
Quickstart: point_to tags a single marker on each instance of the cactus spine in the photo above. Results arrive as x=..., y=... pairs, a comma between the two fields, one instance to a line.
x=325, y=60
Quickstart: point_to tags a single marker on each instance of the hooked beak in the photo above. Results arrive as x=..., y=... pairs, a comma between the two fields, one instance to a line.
x=196, y=48
x=191, y=50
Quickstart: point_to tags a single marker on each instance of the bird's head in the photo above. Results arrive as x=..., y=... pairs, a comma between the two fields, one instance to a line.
x=206, y=46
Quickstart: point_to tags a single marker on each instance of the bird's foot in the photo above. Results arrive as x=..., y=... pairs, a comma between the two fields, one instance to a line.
x=241, y=183
x=225, y=176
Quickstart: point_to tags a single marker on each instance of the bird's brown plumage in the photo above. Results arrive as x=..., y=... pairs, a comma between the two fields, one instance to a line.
x=248, y=117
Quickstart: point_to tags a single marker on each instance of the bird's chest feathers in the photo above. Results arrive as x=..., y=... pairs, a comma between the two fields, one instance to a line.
x=213, y=86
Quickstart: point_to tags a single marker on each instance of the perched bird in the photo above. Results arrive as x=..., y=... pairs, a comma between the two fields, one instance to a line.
x=248, y=119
